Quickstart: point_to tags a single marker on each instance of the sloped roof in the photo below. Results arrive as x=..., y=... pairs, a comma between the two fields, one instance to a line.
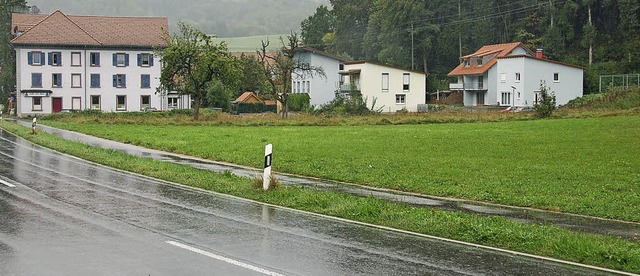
x=318, y=52
x=544, y=60
x=500, y=50
x=246, y=96
x=60, y=29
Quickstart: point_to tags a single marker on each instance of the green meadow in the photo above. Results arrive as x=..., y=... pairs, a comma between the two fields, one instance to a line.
x=588, y=166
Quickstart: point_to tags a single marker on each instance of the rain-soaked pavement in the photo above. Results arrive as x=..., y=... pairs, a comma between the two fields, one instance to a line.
x=626, y=230
x=60, y=215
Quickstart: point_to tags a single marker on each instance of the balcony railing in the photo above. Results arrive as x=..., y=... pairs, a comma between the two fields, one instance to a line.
x=467, y=86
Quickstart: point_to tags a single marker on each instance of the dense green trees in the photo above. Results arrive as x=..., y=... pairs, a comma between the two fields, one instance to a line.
x=602, y=35
x=192, y=64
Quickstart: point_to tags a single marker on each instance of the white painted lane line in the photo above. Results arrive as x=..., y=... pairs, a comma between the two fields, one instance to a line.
x=7, y=184
x=225, y=259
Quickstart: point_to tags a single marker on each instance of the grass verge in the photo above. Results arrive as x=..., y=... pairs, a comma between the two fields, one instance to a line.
x=587, y=166
x=592, y=249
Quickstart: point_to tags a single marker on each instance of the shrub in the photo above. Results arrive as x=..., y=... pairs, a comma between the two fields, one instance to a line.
x=547, y=104
x=182, y=112
x=299, y=102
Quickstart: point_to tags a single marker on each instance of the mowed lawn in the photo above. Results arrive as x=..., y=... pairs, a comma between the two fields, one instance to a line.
x=587, y=166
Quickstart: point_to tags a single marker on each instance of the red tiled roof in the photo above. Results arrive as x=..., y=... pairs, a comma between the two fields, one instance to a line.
x=501, y=50
x=60, y=29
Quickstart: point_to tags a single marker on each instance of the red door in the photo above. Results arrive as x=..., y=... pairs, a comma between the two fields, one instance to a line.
x=57, y=105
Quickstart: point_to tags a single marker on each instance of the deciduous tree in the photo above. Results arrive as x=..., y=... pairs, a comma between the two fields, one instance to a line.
x=191, y=62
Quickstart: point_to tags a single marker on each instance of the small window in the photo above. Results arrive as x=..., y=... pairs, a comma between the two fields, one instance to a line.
x=95, y=102
x=95, y=80
x=95, y=59
x=172, y=103
x=556, y=77
x=75, y=59
x=36, y=80
x=405, y=81
x=120, y=81
x=55, y=59
x=385, y=82
x=36, y=103
x=145, y=60
x=120, y=59
x=76, y=103
x=145, y=81
x=479, y=62
x=76, y=81
x=506, y=98
x=308, y=86
x=517, y=77
x=56, y=80
x=35, y=58
x=467, y=63
x=503, y=77
x=401, y=99
x=145, y=102
x=480, y=82
x=121, y=103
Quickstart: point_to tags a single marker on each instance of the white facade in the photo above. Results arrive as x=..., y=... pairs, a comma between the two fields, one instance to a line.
x=565, y=82
x=392, y=89
x=121, y=87
x=321, y=90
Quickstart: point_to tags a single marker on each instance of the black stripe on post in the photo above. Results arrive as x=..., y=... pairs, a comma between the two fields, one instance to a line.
x=267, y=161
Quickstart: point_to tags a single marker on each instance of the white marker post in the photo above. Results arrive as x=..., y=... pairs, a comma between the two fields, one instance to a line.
x=266, y=177
x=33, y=126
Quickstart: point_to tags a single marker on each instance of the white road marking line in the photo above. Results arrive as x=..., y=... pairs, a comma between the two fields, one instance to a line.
x=7, y=184
x=225, y=259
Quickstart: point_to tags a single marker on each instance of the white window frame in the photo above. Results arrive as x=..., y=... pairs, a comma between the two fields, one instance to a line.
x=148, y=60
x=556, y=77
x=33, y=58
x=76, y=59
x=76, y=80
x=505, y=98
x=34, y=106
x=76, y=103
x=93, y=105
x=57, y=59
x=142, y=105
x=120, y=81
x=518, y=77
x=385, y=82
x=401, y=99
x=406, y=82
x=53, y=80
x=121, y=57
x=503, y=77
x=174, y=105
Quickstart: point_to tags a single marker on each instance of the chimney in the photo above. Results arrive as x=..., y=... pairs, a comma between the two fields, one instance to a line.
x=539, y=54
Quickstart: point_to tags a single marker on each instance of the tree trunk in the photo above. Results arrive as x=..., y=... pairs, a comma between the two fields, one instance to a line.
x=196, y=109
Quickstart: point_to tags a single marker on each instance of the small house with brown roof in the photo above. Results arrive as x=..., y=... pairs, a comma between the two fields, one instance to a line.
x=510, y=74
x=68, y=62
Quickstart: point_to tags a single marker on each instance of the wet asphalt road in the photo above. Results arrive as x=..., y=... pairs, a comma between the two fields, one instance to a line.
x=63, y=216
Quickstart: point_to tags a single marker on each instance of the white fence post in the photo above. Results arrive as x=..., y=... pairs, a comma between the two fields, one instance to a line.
x=266, y=177
x=33, y=126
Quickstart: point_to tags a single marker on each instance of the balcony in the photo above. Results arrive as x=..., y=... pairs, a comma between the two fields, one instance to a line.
x=455, y=86
x=467, y=86
x=347, y=88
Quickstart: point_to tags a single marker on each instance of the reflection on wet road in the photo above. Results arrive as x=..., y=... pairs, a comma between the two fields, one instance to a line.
x=65, y=216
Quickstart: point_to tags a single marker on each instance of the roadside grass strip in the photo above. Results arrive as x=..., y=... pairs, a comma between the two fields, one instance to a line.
x=545, y=240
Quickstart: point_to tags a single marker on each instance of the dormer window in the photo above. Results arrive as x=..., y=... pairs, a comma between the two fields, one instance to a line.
x=467, y=63
x=479, y=62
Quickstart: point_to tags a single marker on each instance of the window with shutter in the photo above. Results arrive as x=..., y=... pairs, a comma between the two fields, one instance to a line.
x=94, y=59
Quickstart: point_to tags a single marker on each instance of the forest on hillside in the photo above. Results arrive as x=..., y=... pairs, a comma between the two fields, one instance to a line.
x=225, y=18
x=601, y=35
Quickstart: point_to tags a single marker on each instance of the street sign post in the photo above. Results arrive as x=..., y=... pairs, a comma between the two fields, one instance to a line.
x=33, y=126
x=266, y=177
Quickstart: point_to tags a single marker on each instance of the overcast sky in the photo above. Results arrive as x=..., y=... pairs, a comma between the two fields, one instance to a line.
x=226, y=18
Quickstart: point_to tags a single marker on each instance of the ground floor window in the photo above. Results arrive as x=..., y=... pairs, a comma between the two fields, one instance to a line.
x=95, y=102
x=401, y=99
x=537, y=97
x=36, y=103
x=506, y=98
x=76, y=103
x=121, y=103
x=480, y=98
x=145, y=102
x=172, y=103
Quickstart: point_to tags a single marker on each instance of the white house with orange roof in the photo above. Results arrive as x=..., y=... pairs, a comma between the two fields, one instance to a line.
x=89, y=62
x=511, y=75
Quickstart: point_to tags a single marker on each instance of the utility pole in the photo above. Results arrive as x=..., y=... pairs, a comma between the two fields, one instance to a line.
x=459, y=27
x=412, y=55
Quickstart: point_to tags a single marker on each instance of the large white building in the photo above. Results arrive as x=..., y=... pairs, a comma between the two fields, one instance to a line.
x=89, y=62
x=511, y=74
x=392, y=89
x=321, y=89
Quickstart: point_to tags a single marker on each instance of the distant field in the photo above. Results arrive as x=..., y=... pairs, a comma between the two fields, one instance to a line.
x=587, y=166
x=252, y=43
